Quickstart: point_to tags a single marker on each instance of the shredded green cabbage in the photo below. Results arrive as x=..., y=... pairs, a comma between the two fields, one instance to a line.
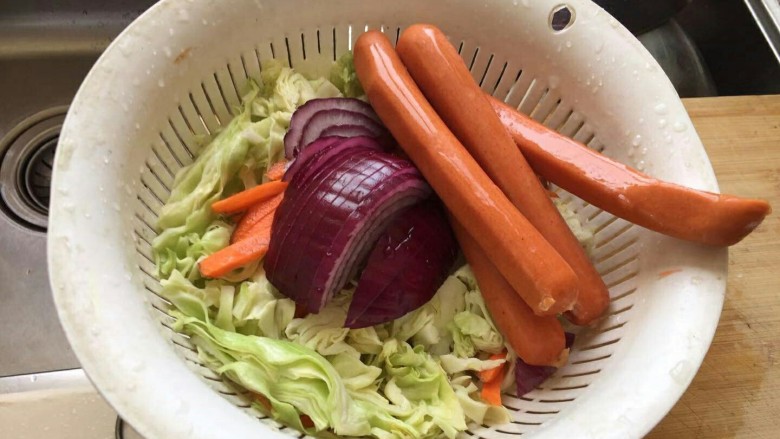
x=410, y=378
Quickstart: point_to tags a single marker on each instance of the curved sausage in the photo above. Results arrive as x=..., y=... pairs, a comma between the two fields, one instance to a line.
x=529, y=263
x=539, y=341
x=446, y=82
x=667, y=208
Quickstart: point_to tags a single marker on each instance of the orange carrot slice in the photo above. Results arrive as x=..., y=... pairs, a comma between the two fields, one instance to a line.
x=491, y=390
x=491, y=381
x=276, y=171
x=491, y=374
x=233, y=256
x=254, y=215
x=246, y=199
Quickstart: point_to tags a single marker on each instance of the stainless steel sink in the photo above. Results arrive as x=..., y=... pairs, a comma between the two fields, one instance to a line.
x=46, y=49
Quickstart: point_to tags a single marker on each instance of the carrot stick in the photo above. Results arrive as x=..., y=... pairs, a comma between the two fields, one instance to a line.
x=254, y=215
x=233, y=256
x=246, y=199
x=491, y=374
x=491, y=390
x=276, y=171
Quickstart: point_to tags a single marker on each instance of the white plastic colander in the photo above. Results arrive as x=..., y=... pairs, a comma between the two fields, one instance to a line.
x=173, y=75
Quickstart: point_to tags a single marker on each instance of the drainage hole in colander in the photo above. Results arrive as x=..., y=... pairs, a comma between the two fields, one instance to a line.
x=561, y=18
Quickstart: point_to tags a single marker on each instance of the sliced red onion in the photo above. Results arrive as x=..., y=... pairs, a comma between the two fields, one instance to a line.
x=303, y=113
x=345, y=131
x=331, y=216
x=528, y=377
x=405, y=268
x=327, y=119
x=324, y=148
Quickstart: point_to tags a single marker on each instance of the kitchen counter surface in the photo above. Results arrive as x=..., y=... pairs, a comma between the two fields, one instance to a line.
x=736, y=393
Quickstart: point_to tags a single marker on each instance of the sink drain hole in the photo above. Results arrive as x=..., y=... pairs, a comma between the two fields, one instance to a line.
x=36, y=175
x=27, y=155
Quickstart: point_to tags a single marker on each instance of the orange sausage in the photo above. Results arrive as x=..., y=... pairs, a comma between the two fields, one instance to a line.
x=537, y=340
x=667, y=208
x=530, y=264
x=446, y=82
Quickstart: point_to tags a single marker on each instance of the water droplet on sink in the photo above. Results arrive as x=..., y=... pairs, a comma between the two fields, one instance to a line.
x=160, y=83
x=167, y=51
x=637, y=140
x=33, y=378
x=568, y=44
x=184, y=15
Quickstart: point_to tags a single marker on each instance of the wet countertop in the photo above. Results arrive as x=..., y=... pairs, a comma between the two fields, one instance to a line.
x=736, y=393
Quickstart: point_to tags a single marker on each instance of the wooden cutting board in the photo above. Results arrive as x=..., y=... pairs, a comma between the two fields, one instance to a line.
x=736, y=393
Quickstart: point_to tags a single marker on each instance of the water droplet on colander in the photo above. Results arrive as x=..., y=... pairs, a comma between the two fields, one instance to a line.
x=679, y=126
x=661, y=108
x=184, y=15
x=641, y=165
x=554, y=81
x=160, y=83
x=661, y=123
x=637, y=140
x=205, y=22
x=643, y=151
x=568, y=44
x=680, y=372
x=138, y=126
x=167, y=51
x=171, y=32
x=526, y=3
x=514, y=2
x=33, y=378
